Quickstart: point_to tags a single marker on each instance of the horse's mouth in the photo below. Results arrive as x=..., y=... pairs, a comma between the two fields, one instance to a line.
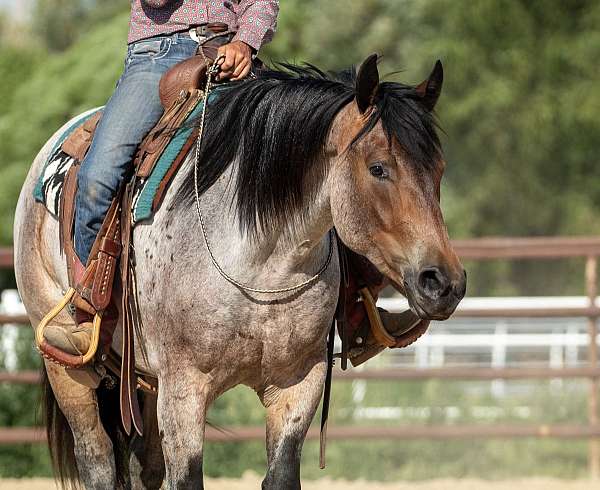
x=418, y=310
x=416, y=307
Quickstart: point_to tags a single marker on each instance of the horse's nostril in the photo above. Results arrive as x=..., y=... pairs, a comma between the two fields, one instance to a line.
x=433, y=282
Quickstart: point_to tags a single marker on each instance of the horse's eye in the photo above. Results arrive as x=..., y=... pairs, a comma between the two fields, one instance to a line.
x=379, y=171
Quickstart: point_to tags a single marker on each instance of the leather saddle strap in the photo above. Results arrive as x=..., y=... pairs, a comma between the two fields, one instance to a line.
x=67, y=215
x=107, y=249
x=344, y=297
x=130, y=409
x=326, y=396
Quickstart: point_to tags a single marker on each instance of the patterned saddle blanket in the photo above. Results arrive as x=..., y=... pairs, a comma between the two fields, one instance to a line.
x=150, y=188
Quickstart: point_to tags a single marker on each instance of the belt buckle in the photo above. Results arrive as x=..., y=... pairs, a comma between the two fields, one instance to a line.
x=194, y=34
x=197, y=32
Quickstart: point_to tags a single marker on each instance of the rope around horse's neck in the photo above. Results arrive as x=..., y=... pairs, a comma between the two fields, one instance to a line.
x=214, y=69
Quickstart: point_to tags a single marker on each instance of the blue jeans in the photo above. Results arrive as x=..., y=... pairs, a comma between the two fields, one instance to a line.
x=129, y=115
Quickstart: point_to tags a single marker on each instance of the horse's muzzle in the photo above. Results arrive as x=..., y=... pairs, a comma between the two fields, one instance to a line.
x=434, y=293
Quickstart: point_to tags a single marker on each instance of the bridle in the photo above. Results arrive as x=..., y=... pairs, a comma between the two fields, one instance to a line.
x=213, y=70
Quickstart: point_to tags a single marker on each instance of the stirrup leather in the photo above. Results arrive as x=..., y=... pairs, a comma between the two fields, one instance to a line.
x=56, y=355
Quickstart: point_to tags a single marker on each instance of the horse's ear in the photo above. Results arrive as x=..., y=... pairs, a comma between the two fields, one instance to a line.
x=429, y=90
x=367, y=83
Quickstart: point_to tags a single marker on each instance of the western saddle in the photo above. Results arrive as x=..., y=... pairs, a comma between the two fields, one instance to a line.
x=359, y=322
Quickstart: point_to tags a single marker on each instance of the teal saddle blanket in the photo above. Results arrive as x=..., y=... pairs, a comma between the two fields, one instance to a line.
x=50, y=183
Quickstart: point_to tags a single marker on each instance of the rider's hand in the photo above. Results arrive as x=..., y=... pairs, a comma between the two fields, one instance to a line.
x=237, y=62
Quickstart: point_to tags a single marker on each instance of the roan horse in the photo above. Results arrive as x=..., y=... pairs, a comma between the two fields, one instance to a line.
x=285, y=157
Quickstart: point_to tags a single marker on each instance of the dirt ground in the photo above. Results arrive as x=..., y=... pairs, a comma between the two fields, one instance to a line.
x=251, y=481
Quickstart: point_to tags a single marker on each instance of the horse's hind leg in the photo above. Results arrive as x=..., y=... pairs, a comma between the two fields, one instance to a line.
x=290, y=411
x=93, y=448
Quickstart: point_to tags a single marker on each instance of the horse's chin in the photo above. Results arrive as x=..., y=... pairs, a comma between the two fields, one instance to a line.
x=422, y=313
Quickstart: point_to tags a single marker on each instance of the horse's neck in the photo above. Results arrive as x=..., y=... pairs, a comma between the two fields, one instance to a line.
x=271, y=258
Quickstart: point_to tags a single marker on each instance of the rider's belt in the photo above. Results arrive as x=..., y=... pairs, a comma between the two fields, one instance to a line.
x=201, y=32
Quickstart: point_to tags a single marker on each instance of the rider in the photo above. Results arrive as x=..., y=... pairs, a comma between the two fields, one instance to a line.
x=159, y=37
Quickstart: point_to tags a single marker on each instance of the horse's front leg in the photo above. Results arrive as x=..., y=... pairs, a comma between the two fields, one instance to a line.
x=290, y=411
x=147, y=464
x=182, y=404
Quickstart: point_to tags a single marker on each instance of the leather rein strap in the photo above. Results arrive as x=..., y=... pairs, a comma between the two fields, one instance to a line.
x=214, y=69
x=326, y=395
x=339, y=319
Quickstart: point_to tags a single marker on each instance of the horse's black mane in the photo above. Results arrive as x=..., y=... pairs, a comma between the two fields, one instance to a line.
x=276, y=126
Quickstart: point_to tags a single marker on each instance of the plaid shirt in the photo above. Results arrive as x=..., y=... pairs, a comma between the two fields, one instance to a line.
x=254, y=20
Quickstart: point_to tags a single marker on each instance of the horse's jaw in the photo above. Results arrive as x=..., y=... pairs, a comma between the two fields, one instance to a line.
x=305, y=240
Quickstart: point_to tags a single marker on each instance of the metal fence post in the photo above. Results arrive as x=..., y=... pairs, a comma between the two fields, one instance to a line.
x=591, y=280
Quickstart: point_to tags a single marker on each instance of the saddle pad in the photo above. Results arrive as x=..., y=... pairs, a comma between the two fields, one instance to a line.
x=146, y=190
x=50, y=183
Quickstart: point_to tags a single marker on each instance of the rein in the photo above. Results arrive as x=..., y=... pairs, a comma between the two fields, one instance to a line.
x=213, y=70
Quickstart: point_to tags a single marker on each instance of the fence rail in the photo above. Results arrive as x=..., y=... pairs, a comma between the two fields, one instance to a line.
x=433, y=432
x=545, y=248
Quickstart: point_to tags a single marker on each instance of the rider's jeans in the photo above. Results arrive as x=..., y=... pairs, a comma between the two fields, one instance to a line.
x=131, y=112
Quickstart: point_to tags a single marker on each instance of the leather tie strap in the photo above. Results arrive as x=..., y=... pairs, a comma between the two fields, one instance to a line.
x=326, y=396
x=130, y=409
x=108, y=250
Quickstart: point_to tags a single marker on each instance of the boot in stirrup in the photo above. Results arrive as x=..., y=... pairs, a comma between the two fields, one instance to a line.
x=75, y=338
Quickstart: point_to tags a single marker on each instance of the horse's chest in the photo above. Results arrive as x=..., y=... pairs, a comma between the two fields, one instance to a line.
x=287, y=330
x=222, y=329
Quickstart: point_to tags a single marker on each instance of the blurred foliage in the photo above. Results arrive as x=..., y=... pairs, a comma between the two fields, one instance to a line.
x=57, y=22
x=18, y=408
x=519, y=112
x=60, y=23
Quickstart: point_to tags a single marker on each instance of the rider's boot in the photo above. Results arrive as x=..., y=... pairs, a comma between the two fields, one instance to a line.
x=73, y=339
x=76, y=338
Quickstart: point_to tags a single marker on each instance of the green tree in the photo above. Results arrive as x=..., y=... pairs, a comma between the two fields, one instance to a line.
x=60, y=87
x=59, y=23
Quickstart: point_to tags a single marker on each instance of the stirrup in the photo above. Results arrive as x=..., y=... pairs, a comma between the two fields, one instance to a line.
x=56, y=355
x=377, y=327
